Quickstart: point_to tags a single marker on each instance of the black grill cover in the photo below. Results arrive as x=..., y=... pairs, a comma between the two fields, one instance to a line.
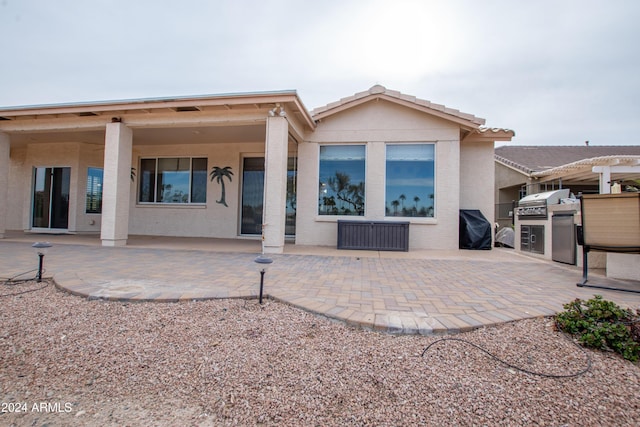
x=475, y=230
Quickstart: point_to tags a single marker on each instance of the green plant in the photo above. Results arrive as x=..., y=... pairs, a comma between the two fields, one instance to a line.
x=602, y=324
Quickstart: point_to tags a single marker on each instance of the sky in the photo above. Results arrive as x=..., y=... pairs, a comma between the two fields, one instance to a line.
x=557, y=72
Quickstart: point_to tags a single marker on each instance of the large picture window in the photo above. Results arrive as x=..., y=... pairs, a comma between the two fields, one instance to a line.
x=410, y=176
x=173, y=180
x=94, y=191
x=342, y=178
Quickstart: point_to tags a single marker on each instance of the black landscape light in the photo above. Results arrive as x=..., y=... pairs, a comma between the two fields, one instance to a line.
x=263, y=262
x=41, y=250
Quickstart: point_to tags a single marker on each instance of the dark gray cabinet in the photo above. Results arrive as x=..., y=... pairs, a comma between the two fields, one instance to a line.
x=373, y=235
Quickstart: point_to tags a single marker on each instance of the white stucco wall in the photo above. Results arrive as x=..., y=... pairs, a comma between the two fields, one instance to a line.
x=623, y=266
x=374, y=124
x=19, y=180
x=91, y=155
x=212, y=220
x=477, y=178
x=5, y=150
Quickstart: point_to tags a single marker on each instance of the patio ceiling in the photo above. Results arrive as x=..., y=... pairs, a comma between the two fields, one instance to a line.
x=151, y=136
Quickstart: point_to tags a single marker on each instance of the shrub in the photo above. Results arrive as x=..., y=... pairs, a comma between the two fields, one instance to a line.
x=601, y=324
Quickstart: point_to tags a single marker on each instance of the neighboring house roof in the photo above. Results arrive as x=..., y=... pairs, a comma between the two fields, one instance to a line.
x=530, y=159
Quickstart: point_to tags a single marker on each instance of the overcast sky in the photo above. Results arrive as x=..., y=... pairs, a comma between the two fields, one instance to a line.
x=557, y=72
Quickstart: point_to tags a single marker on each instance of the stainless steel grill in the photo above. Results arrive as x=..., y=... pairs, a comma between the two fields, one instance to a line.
x=535, y=205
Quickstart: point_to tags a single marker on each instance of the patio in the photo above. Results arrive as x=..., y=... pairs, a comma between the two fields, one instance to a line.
x=419, y=292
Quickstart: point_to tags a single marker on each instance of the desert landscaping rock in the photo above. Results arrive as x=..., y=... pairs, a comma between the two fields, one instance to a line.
x=76, y=362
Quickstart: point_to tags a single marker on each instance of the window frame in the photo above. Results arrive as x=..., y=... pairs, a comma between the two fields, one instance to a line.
x=155, y=180
x=324, y=216
x=90, y=196
x=435, y=174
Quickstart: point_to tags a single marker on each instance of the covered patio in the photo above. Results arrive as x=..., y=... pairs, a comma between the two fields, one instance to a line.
x=129, y=146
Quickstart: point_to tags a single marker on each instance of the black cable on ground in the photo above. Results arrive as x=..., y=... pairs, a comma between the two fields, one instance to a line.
x=13, y=281
x=540, y=374
x=27, y=291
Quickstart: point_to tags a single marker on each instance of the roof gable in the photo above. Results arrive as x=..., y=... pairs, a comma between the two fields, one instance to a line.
x=376, y=92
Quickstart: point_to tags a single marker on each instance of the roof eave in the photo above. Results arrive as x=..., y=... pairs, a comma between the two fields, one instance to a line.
x=230, y=99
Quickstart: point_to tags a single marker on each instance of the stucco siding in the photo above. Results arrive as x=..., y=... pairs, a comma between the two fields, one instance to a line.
x=508, y=182
x=213, y=219
x=90, y=156
x=19, y=181
x=382, y=121
x=375, y=124
x=477, y=178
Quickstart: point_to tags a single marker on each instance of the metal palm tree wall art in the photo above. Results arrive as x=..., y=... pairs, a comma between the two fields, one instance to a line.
x=219, y=174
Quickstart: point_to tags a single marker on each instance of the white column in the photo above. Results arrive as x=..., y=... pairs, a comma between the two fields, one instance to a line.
x=4, y=181
x=605, y=178
x=275, y=184
x=117, y=185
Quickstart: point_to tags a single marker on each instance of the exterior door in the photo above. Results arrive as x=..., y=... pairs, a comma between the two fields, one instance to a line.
x=51, y=198
x=253, y=196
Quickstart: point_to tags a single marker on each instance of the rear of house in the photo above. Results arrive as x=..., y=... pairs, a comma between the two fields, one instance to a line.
x=245, y=166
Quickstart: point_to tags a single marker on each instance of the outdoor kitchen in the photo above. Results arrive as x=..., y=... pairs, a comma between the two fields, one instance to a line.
x=549, y=225
x=542, y=216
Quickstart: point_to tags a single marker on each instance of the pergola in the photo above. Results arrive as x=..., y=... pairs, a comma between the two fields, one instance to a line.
x=605, y=170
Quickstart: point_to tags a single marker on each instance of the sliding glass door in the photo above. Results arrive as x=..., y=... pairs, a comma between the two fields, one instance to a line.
x=253, y=196
x=51, y=198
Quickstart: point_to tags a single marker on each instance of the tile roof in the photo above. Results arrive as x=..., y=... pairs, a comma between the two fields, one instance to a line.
x=542, y=157
x=379, y=91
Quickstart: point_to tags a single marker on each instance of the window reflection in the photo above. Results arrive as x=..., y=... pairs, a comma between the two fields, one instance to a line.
x=342, y=177
x=94, y=190
x=410, y=175
x=173, y=180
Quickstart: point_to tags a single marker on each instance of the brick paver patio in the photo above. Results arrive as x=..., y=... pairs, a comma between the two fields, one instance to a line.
x=424, y=292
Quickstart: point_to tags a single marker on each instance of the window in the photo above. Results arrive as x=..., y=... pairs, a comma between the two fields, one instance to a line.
x=342, y=177
x=173, y=180
x=94, y=191
x=410, y=176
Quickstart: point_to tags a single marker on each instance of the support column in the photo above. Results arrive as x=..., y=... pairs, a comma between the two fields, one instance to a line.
x=117, y=185
x=4, y=181
x=275, y=184
x=605, y=178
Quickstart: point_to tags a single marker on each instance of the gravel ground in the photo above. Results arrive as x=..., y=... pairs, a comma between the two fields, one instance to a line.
x=68, y=361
